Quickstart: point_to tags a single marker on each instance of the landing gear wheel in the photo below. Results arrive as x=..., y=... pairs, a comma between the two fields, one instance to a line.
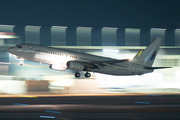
x=87, y=75
x=77, y=75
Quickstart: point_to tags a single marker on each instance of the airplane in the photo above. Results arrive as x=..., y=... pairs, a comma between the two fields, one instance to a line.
x=62, y=59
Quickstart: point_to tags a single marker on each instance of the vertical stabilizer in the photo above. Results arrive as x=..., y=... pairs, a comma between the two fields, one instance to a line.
x=146, y=57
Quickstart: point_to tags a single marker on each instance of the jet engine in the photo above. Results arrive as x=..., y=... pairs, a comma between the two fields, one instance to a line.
x=75, y=66
x=58, y=67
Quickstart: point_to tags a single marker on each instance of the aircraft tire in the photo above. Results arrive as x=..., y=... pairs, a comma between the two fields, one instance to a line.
x=77, y=75
x=87, y=75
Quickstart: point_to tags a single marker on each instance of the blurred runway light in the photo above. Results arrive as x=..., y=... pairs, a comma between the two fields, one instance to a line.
x=177, y=74
x=53, y=111
x=142, y=102
x=109, y=50
x=12, y=86
x=156, y=95
x=5, y=63
x=6, y=76
x=47, y=117
x=154, y=75
x=20, y=104
x=27, y=96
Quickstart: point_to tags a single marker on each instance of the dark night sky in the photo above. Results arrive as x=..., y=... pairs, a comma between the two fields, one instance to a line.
x=127, y=13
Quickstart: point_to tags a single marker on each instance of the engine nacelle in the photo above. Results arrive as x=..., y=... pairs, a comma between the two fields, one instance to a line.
x=58, y=67
x=75, y=66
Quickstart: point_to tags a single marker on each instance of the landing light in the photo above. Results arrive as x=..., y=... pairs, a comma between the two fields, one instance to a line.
x=131, y=58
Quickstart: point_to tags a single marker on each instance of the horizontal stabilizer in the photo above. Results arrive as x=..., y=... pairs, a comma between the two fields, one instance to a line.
x=156, y=67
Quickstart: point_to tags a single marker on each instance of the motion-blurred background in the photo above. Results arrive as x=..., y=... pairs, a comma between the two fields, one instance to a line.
x=34, y=77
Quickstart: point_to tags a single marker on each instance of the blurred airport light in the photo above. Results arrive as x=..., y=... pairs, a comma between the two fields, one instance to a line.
x=59, y=26
x=30, y=26
x=109, y=50
x=154, y=75
x=158, y=29
x=7, y=26
x=177, y=74
x=85, y=27
x=5, y=63
x=109, y=28
x=7, y=35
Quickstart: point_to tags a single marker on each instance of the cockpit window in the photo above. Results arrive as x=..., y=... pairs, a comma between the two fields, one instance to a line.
x=18, y=46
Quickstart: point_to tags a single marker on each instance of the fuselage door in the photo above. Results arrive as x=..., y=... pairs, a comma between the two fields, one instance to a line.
x=133, y=69
x=30, y=52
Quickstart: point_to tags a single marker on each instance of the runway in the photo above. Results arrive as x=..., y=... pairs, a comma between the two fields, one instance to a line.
x=125, y=99
x=77, y=108
x=132, y=107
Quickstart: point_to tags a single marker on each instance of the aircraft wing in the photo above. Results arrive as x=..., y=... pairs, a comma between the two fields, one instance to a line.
x=97, y=64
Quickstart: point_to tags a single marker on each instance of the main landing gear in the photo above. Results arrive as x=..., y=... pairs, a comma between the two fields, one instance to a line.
x=87, y=75
x=77, y=74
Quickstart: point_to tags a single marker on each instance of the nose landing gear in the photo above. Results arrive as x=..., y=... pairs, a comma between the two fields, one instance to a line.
x=21, y=62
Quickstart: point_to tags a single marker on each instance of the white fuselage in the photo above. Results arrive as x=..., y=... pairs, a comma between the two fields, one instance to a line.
x=60, y=57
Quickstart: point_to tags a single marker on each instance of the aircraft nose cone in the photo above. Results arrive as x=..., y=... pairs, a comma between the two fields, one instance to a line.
x=10, y=50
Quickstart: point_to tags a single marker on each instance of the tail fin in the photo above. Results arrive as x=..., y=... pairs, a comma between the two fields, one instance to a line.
x=146, y=57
